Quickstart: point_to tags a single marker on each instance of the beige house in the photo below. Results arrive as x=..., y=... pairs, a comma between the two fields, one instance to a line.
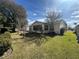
x=41, y=27
x=60, y=26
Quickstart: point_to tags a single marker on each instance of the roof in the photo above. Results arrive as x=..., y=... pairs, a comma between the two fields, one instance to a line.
x=38, y=22
x=56, y=22
x=77, y=26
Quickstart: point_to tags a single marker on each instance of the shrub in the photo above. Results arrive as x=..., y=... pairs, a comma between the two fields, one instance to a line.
x=5, y=43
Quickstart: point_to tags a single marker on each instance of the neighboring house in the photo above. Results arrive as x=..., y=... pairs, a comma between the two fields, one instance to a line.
x=77, y=29
x=41, y=27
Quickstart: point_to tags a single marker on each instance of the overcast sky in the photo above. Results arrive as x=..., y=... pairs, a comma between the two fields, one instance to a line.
x=36, y=9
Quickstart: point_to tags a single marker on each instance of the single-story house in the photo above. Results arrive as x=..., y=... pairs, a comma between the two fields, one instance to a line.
x=60, y=26
x=42, y=27
x=39, y=27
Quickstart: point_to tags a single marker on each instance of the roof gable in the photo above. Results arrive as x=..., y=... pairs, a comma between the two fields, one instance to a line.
x=38, y=22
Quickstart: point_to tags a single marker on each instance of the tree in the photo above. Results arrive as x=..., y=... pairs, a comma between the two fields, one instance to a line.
x=15, y=14
x=52, y=16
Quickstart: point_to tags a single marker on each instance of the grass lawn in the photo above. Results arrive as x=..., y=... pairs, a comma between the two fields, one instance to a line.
x=58, y=47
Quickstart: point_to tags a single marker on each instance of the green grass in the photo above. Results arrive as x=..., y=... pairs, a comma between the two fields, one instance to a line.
x=62, y=47
x=58, y=47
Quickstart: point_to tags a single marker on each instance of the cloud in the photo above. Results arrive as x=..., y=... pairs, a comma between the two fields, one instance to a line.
x=75, y=12
x=53, y=9
x=71, y=23
x=30, y=21
x=75, y=15
x=34, y=14
x=75, y=18
x=41, y=20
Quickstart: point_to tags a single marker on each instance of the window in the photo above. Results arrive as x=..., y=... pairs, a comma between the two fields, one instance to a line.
x=46, y=27
x=37, y=27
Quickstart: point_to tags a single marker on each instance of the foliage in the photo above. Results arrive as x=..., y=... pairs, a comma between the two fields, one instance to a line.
x=5, y=43
x=14, y=13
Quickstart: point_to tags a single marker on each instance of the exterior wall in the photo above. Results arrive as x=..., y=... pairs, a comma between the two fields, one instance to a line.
x=39, y=31
x=30, y=28
x=63, y=25
x=57, y=28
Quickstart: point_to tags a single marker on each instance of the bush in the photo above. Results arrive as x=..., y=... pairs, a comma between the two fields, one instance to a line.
x=5, y=43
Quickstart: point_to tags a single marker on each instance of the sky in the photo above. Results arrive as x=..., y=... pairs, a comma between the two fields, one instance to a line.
x=36, y=9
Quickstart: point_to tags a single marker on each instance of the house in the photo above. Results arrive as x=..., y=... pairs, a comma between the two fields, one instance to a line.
x=77, y=29
x=39, y=27
x=59, y=27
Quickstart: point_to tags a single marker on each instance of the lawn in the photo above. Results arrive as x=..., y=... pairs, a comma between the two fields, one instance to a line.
x=57, y=47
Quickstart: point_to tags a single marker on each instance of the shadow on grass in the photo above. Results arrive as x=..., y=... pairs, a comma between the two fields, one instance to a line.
x=38, y=38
